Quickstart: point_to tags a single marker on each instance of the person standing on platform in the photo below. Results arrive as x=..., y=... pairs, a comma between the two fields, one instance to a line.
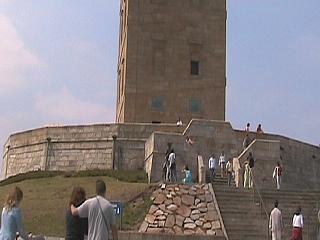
x=247, y=183
x=276, y=223
x=172, y=166
x=212, y=167
x=277, y=173
x=222, y=164
x=229, y=171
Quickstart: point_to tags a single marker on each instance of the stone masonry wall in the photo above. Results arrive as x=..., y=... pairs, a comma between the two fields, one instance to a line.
x=183, y=209
x=73, y=148
x=300, y=160
x=135, y=146
x=159, y=41
x=209, y=137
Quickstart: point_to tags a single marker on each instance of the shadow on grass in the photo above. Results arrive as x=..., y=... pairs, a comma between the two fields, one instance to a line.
x=137, y=176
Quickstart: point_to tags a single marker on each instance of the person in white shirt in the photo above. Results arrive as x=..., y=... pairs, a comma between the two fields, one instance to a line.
x=276, y=222
x=100, y=214
x=179, y=122
x=277, y=173
x=222, y=164
x=212, y=167
x=172, y=176
x=297, y=224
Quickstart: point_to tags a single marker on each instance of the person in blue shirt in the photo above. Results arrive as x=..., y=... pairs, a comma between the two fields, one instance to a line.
x=11, y=217
x=188, y=177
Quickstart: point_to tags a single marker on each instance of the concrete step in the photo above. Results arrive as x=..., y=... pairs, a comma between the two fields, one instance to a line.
x=241, y=212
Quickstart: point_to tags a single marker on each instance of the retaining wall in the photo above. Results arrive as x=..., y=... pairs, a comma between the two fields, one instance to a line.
x=73, y=148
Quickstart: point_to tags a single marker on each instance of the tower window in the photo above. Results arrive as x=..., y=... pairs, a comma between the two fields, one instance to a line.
x=195, y=106
x=194, y=67
x=157, y=104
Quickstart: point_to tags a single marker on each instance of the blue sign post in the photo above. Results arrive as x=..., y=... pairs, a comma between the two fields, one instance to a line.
x=118, y=210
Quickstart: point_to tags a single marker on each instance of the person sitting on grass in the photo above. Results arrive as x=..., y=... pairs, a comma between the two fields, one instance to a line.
x=188, y=177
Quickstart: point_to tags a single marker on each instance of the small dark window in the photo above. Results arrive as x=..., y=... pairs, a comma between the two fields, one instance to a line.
x=195, y=106
x=157, y=104
x=156, y=122
x=194, y=67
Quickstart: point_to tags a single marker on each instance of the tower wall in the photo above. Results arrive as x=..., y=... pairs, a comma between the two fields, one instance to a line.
x=172, y=60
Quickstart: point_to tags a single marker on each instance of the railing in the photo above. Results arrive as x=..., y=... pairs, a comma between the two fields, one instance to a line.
x=263, y=209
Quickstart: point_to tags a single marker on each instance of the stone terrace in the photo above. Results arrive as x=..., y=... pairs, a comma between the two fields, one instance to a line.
x=183, y=209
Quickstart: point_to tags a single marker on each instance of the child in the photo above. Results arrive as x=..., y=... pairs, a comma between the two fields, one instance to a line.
x=188, y=178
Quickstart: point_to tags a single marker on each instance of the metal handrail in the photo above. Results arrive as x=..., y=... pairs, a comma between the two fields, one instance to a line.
x=256, y=189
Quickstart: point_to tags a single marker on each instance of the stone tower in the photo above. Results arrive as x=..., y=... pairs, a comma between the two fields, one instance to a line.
x=172, y=60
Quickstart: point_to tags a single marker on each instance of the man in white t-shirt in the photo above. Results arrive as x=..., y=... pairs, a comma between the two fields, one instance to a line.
x=172, y=166
x=212, y=167
x=100, y=214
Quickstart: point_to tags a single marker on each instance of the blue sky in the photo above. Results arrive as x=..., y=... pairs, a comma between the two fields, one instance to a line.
x=58, y=64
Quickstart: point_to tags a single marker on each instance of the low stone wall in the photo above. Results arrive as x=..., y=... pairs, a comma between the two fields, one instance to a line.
x=154, y=236
x=300, y=161
x=266, y=154
x=73, y=148
x=138, y=146
x=183, y=209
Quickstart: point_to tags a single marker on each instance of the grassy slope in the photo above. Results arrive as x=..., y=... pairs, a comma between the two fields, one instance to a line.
x=45, y=200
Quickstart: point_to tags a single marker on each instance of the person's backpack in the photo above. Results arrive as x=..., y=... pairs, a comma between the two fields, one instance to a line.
x=279, y=171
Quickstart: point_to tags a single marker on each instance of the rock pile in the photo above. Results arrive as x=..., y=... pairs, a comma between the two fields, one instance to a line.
x=182, y=209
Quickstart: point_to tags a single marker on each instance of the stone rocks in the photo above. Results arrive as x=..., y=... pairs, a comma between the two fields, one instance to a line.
x=177, y=201
x=177, y=230
x=158, y=212
x=188, y=220
x=195, y=217
x=190, y=226
x=153, y=209
x=182, y=209
x=150, y=218
x=172, y=207
x=215, y=224
x=207, y=225
x=179, y=220
x=143, y=227
x=159, y=199
x=199, y=223
x=211, y=215
x=187, y=200
x=170, y=221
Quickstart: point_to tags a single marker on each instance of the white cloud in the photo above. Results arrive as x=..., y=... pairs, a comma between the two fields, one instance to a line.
x=63, y=108
x=16, y=61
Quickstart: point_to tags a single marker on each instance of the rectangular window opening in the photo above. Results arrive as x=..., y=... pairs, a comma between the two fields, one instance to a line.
x=195, y=67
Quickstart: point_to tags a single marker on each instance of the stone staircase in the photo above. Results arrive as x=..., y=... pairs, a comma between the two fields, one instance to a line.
x=289, y=200
x=244, y=219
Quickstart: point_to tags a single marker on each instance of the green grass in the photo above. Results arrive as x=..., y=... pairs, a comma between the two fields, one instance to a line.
x=127, y=176
x=46, y=198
